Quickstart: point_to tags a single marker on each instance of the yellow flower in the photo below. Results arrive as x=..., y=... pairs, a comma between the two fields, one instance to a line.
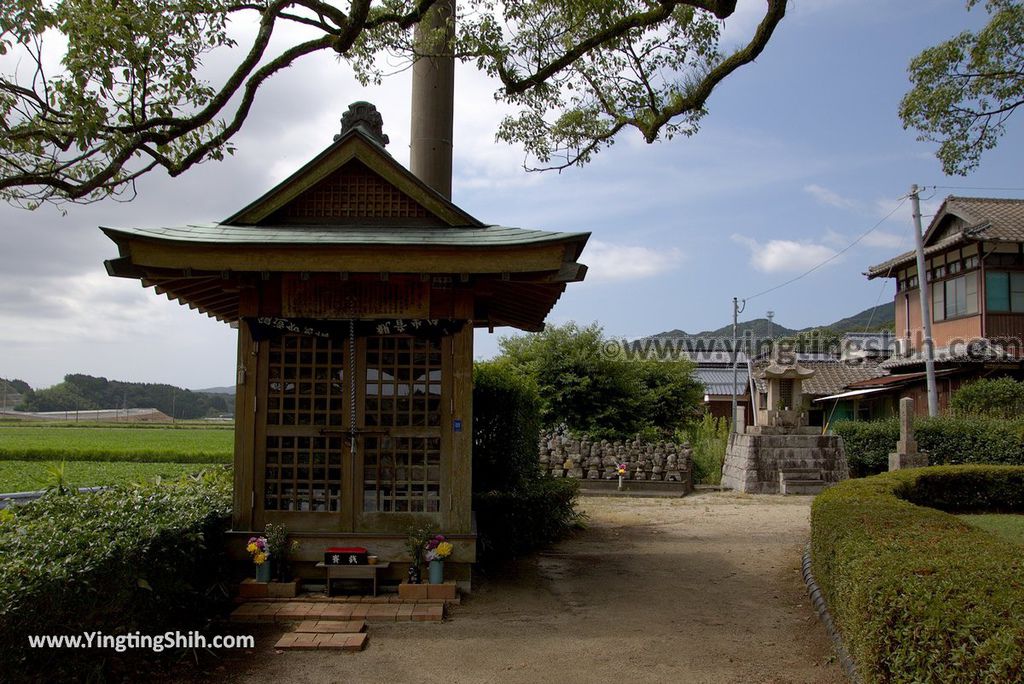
x=444, y=549
x=259, y=558
x=251, y=548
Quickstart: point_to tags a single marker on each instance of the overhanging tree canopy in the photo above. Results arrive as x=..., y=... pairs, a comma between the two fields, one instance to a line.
x=966, y=88
x=95, y=93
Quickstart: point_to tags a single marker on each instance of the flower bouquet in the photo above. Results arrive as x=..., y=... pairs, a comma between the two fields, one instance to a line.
x=435, y=552
x=260, y=552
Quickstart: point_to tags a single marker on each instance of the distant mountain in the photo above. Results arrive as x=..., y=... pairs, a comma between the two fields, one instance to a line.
x=217, y=390
x=86, y=392
x=881, y=317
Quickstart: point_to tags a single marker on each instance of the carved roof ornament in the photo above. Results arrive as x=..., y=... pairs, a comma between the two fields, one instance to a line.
x=364, y=115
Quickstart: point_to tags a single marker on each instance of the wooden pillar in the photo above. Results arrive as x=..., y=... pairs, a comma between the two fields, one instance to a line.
x=461, y=461
x=245, y=414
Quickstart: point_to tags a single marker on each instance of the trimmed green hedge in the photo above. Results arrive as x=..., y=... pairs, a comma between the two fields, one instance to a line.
x=125, y=559
x=518, y=509
x=948, y=441
x=918, y=595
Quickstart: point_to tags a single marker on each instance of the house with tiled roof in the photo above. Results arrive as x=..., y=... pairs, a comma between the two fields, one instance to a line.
x=974, y=267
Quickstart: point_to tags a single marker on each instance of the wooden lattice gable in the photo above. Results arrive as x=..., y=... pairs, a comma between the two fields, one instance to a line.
x=354, y=181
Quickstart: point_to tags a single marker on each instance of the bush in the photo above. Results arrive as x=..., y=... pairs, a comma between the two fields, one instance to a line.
x=918, y=595
x=518, y=509
x=947, y=440
x=116, y=561
x=995, y=398
x=709, y=439
x=514, y=523
x=506, y=428
x=868, y=444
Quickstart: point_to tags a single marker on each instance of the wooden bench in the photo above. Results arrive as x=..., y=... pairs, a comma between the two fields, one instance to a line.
x=353, y=572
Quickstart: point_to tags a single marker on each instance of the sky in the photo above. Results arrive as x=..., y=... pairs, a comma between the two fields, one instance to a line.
x=800, y=153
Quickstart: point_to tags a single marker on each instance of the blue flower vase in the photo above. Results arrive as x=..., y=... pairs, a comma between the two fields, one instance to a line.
x=263, y=572
x=437, y=572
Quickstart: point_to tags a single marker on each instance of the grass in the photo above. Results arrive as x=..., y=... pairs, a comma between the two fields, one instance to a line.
x=138, y=444
x=1007, y=526
x=29, y=476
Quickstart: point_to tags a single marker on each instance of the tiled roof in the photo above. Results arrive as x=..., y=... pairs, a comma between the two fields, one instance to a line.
x=425, y=236
x=987, y=218
x=830, y=377
x=719, y=380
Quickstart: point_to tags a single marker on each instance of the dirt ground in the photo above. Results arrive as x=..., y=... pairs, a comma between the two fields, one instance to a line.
x=701, y=589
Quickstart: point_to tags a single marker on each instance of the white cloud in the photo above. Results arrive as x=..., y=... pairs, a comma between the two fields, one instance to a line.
x=830, y=197
x=608, y=262
x=782, y=256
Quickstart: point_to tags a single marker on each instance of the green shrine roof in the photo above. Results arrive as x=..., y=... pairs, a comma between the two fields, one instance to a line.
x=355, y=235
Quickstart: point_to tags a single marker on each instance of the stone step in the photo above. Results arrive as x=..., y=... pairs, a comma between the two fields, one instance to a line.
x=800, y=473
x=331, y=626
x=274, y=612
x=811, y=487
x=309, y=641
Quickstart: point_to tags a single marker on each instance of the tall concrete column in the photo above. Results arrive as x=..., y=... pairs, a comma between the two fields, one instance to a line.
x=433, y=99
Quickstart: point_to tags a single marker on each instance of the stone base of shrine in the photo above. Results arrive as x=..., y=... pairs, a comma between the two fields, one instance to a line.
x=766, y=460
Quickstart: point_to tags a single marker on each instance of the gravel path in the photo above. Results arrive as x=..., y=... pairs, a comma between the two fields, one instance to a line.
x=701, y=589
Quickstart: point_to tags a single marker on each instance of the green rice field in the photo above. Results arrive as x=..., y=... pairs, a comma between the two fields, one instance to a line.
x=1009, y=527
x=30, y=476
x=137, y=444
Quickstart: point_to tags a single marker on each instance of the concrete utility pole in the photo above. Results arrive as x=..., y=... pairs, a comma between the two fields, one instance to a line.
x=433, y=98
x=924, y=290
x=736, y=311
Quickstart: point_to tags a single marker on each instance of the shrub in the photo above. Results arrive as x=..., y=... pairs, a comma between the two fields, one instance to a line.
x=995, y=398
x=514, y=523
x=918, y=595
x=709, y=439
x=947, y=440
x=868, y=444
x=518, y=509
x=506, y=427
x=116, y=561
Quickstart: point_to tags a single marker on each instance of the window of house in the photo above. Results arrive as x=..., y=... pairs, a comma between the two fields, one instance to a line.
x=955, y=297
x=1004, y=292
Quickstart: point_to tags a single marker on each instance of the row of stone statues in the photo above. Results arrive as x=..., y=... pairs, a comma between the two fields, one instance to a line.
x=564, y=455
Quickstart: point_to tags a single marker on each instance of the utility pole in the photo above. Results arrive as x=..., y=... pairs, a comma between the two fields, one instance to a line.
x=736, y=311
x=924, y=290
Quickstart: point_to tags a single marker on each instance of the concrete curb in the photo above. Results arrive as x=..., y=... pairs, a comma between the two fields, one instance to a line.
x=818, y=599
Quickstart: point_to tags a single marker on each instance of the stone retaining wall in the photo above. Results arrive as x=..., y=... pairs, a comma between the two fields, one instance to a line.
x=565, y=455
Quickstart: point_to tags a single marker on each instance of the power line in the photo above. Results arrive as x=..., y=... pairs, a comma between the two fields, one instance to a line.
x=971, y=187
x=835, y=256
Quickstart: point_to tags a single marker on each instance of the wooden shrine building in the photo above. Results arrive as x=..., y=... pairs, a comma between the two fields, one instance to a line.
x=355, y=289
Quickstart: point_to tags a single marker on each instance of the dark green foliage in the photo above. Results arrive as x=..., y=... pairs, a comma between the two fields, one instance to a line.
x=14, y=385
x=518, y=509
x=966, y=88
x=84, y=392
x=142, y=558
x=918, y=595
x=868, y=444
x=588, y=386
x=947, y=440
x=994, y=398
x=506, y=427
x=513, y=523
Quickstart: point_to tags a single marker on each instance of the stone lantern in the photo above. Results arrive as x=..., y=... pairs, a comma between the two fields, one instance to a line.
x=785, y=394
